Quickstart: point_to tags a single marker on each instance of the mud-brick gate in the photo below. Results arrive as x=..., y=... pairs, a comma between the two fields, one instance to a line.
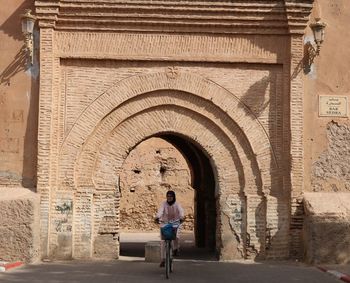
x=222, y=76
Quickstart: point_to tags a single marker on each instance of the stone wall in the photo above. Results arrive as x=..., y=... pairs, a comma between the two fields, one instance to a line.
x=331, y=171
x=19, y=225
x=326, y=227
x=151, y=169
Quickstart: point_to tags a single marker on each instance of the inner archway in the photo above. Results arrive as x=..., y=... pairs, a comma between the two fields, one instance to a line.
x=203, y=183
x=153, y=167
x=157, y=164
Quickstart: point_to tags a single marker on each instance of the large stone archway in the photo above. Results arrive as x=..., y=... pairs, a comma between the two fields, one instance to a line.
x=230, y=95
x=97, y=145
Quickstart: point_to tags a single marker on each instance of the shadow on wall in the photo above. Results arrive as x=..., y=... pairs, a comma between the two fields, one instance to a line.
x=12, y=28
x=254, y=98
x=12, y=25
x=318, y=230
x=15, y=67
x=30, y=146
x=271, y=212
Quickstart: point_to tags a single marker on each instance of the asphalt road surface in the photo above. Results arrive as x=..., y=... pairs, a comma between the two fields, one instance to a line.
x=193, y=265
x=193, y=271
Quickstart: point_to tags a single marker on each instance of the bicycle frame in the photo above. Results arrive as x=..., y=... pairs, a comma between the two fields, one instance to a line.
x=169, y=250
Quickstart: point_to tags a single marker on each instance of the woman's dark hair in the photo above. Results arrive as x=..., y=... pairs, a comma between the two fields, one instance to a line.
x=171, y=193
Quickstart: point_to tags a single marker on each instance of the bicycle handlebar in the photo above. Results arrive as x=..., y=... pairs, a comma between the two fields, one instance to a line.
x=178, y=221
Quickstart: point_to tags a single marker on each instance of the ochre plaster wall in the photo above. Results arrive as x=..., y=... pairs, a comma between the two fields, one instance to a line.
x=327, y=152
x=326, y=143
x=19, y=204
x=18, y=102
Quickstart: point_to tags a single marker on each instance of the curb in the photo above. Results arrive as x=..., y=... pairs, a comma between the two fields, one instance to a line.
x=4, y=266
x=342, y=276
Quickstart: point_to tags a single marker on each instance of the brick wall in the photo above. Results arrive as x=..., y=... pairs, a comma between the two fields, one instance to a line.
x=235, y=98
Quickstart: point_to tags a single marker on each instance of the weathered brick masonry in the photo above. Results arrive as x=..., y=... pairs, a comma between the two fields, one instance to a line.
x=149, y=171
x=197, y=73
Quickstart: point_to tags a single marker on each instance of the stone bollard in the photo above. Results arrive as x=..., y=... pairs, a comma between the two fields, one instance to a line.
x=19, y=226
x=152, y=251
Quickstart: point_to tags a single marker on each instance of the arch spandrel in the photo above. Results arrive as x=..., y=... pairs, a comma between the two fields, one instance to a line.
x=189, y=83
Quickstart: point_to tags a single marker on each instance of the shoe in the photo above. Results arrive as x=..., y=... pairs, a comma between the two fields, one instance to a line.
x=162, y=264
x=176, y=252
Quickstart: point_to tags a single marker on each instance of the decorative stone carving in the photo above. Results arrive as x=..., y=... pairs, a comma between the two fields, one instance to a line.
x=264, y=17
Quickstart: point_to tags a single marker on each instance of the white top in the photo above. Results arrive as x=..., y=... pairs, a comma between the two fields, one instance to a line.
x=168, y=212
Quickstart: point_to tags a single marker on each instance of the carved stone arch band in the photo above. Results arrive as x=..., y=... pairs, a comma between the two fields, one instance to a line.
x=189, y=83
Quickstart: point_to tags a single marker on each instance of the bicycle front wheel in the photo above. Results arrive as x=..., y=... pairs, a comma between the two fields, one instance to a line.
x=167, y=258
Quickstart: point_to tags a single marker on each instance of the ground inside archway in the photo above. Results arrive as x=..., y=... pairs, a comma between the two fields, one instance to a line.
x=133, y=246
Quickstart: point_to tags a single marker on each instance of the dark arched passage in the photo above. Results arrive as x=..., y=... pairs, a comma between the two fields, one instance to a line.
x=203, y=182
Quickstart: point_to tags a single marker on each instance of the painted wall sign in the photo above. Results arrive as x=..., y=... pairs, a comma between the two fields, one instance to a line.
x=64, y=209
x=335, y=106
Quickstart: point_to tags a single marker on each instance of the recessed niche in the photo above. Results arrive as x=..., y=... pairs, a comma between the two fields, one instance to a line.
x=162, y=169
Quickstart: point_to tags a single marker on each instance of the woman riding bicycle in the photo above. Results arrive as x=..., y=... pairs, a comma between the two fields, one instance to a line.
x=170, y=211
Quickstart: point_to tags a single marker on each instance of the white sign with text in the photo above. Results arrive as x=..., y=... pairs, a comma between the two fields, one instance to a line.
x=334, y=106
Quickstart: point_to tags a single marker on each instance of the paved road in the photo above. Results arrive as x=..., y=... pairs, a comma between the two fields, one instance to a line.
x=194, y=266
x=185, y=271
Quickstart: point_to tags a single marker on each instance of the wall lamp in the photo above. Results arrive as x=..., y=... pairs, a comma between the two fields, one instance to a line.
x=318, y=28
x=28, y=21
x=312, y=49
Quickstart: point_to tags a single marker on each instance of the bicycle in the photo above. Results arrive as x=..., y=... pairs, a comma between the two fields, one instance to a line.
x=168, y=232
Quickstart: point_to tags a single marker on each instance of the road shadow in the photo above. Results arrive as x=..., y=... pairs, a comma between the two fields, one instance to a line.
x=132, y=245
